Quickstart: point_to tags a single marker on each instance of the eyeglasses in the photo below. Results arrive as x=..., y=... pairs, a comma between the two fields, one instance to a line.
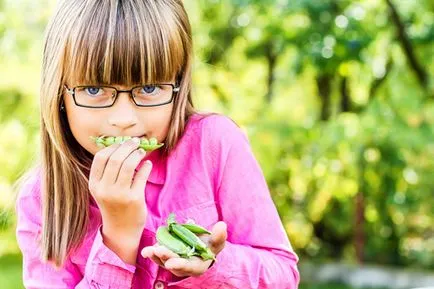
x=147, y=95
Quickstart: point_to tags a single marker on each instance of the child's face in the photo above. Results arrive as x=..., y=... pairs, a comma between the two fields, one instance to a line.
x=124, y=118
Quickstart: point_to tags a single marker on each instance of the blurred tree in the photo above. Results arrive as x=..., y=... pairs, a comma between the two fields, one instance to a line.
x=354, y=52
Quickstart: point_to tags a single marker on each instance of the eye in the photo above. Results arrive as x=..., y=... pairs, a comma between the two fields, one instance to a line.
x=150, y=89
x=92, y=90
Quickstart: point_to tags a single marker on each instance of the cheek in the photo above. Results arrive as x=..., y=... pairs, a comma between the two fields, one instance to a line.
x=159, y=123
x=82, y=126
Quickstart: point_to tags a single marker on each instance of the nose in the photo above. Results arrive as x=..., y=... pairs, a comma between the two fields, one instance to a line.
x=123, y=113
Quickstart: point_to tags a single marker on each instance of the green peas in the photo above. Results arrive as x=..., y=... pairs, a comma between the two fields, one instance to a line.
x=196, y=228
x=147, y=145
x=153, y=141
x=181, y=233
x=187, y=236
x=144, y=141
x=172, y=243
x=150, y=145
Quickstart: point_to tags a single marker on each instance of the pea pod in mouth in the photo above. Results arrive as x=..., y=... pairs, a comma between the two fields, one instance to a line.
x=146, y=144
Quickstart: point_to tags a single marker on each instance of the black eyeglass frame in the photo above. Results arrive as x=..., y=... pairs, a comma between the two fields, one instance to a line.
x=71, y=91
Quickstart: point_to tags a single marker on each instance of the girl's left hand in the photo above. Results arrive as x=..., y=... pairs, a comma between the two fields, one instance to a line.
x=193, y=266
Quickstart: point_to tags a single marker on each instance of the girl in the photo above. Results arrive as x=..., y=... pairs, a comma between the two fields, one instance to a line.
x=87, y=216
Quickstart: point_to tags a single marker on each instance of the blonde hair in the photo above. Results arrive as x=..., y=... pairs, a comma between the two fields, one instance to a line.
x=87, y=41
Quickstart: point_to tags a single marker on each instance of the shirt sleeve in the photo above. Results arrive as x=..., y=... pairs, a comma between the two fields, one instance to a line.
x=104, y=269
x=258, y=253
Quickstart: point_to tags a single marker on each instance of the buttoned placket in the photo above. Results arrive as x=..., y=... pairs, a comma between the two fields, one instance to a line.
x=159, y=285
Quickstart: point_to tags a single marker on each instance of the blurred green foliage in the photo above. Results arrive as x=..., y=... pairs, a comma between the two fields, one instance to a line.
x=337, y=98
x=10, y=275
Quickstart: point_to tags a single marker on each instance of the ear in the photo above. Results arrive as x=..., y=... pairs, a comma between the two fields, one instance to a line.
x=178, y=79
x=62, y=105
x=180, y=74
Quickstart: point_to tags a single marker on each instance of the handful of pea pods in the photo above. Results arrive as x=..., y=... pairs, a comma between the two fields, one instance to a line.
x=147, y=145
x=182, y=239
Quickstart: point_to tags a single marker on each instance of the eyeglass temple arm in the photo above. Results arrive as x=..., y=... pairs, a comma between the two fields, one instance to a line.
x=69, y=90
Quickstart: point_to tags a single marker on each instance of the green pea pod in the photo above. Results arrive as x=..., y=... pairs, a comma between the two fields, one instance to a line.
x=206, y=255
x=144, y=141
x=196, y=228
x=188, y=237
x=98, y=140
x=172, y=243
x=171, y=219
x=190, y=226
x=145, y=144
x=150, y=147
x=109, y=141
x=153, y=141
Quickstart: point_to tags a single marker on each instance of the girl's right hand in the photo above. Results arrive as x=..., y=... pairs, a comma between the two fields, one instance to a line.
x=119, y=193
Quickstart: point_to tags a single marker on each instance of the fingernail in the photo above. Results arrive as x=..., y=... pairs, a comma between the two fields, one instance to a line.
x=145, y=252
x=136, y=140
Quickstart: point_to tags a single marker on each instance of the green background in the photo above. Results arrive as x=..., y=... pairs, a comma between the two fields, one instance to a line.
x=337, y=98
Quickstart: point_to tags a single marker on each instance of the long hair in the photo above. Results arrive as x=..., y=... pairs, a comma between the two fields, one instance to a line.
x=87, y=41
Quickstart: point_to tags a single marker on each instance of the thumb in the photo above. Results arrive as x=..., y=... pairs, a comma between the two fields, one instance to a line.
x=218, y=238
x=141, y=176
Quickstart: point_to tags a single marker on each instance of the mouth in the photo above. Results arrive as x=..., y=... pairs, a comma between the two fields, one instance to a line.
x=105, y=135
x=145, y=143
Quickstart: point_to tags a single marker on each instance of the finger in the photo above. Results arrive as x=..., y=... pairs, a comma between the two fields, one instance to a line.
x=157, y=260
x=141, y=177
x=164, y=254
x=99, y=163
x=193, y=266
x=116, y=160
x=149, y=252
x=179, y=273
x=218, y=237
x=127, y=171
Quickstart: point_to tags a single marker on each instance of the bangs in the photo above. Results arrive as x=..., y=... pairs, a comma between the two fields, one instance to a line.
x=125, y=42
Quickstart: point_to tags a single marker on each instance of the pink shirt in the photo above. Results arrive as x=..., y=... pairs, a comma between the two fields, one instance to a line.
x=212, y=175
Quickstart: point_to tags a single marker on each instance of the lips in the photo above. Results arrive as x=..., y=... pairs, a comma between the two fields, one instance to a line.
x=106, y=135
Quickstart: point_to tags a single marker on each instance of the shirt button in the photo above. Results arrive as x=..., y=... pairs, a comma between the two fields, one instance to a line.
x=159, y=285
